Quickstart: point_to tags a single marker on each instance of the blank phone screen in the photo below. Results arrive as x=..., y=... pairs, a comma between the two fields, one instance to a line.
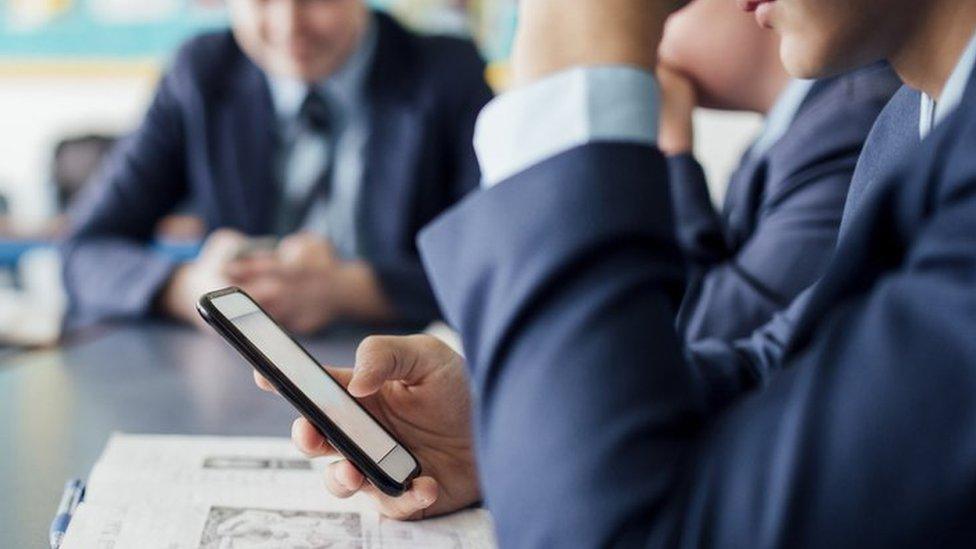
x=306, y=374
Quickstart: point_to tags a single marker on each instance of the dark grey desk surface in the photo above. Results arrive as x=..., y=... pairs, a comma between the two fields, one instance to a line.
x=58, y=407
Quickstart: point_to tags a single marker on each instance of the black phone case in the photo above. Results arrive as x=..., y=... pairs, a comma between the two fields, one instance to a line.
x=262, y=364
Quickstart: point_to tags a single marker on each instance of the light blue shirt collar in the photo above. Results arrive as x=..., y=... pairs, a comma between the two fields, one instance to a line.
x=781, y=116
x=344, y=87
x=933, y=112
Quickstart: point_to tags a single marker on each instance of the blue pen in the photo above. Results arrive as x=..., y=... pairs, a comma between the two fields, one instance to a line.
x=74, y=491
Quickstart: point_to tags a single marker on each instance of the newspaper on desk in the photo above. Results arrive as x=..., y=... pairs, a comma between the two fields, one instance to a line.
x=178, y=492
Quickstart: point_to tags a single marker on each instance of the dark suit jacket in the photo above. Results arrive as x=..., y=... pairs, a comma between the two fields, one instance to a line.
x=592, y=428
x=209, y=137
x=782, y=210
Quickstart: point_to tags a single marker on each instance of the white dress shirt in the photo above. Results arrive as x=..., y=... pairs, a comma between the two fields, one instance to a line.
x=560, y=112
x=933, y=112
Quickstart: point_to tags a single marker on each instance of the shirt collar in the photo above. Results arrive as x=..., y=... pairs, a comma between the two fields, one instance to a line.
x=781, y=116
x=932, y=111
x=345, y=86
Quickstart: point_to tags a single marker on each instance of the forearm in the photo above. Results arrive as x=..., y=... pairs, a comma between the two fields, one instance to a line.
x=110, y=270
x=555, y=35
x=566, y=309
x=179, y=295
x=731, y=367
x=111, y=277
x=361, y=296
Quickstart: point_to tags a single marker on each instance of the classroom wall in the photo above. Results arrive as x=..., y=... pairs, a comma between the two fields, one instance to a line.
x=36, y=111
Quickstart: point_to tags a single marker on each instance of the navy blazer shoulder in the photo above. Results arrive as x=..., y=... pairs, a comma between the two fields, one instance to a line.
x=779, y=224
x=209, y=140
x=587, y=411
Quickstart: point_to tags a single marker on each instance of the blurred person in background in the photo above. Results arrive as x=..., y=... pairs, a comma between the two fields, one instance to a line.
x=325, y=129
x=784, y=203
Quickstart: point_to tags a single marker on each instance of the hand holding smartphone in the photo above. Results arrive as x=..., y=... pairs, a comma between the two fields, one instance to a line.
x=351, y=429
x=256, y=246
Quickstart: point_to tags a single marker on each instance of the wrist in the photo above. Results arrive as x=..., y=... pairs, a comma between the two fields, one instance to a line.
x=359, y=294
x=175, y=299
x=676, y=138
x=556, y=35
x=678, y=102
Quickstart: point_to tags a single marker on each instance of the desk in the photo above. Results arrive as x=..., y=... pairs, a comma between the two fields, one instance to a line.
x=58, y=407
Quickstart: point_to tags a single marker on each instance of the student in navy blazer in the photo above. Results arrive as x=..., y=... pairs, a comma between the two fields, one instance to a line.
x=586, y=412
x=783, y=204
x=212, y=138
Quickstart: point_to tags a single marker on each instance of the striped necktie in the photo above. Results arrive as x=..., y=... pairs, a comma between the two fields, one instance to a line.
x=308, y=164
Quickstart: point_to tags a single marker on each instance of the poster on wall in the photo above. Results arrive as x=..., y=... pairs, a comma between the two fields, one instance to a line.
x=100, y=29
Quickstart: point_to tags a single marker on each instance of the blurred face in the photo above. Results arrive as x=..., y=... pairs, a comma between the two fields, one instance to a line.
x=307, y=39
x=824, y=37
x=721, y=49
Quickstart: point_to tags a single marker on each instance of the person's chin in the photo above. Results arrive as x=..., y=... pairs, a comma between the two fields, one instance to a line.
x=804, y=60
x=306, y=70
x=807, y=60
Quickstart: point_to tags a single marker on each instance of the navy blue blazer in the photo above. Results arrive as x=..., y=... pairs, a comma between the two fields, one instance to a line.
x=209, y=137
x=588, y=414
x=782, y=210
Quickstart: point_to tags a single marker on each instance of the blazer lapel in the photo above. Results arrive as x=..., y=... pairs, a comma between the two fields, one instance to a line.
x=748, y=183
x=248, y=143
x=742, y=199
x=393, y=149
x=893, y=137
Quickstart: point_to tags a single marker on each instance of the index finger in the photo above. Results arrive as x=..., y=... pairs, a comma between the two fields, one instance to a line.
x=263, y=383
x=309, y=440
x=394, y=358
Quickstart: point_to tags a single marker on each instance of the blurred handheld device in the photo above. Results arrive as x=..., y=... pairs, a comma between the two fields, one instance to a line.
x=255, y=246
x=349, y=427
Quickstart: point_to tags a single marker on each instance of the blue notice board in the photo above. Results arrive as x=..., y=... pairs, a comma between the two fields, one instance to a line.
x=101, y=29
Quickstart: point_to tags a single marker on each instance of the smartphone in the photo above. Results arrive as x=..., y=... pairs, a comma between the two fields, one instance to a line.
x=349, y=427
x=255, y=246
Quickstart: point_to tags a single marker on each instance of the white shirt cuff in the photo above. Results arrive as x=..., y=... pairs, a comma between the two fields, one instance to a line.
x=560, y=112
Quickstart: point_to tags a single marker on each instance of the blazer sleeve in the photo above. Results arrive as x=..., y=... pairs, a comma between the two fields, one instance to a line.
x=110, y=271
x=588, y=415
x=728, y=368
x=698, y=226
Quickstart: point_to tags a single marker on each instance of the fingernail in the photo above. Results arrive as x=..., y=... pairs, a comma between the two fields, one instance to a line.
x=423, y=500
x=338, y=479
